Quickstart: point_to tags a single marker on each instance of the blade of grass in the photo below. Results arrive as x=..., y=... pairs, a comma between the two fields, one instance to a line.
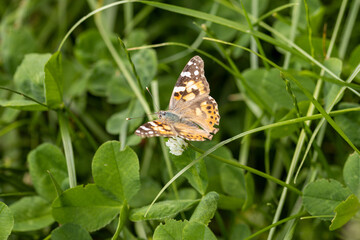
x=294, y=24
x=309, y=30
x=254, y=45
x=69, y=155
x=349, y=26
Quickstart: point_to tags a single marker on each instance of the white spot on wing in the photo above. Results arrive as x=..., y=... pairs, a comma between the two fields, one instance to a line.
x=190, y=63
x=137, y=131
x=152, y=124
x=179, y=89
x=185, y=74
x=145, y=128
x=196, y=72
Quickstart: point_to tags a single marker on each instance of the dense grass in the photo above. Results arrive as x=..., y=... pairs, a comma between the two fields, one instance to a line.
x=284, y=165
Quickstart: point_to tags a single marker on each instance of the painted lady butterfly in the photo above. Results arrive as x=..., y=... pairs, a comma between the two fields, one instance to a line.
x=192, y=112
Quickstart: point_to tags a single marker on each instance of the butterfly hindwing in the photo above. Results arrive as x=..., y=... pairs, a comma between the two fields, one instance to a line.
x=191, y=133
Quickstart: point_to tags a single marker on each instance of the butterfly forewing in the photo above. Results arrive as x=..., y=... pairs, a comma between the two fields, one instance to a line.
x=190, y=85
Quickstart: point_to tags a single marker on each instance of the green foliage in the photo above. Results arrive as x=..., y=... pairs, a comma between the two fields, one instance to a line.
x=196, y=175
x=329, y=197
x=6, y=221
x=352, y=174
x=162, y=210
x=79, y=205
x=116, y=171
x=179, y=230
x=344, y=212
x=68, y=231
x=30, y=77
x=277, y=73
x=321, y=197
x=206, y=209
x=31, y=213
x=44, y=160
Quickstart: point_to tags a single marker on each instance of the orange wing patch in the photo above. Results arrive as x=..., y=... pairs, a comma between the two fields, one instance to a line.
x=210, y=108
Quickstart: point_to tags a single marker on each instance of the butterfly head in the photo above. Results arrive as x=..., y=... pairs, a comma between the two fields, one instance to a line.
x=161, y=114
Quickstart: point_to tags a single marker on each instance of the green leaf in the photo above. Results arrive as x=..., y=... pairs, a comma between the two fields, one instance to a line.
x=233, y=181
x=22, y=104
x=39, y=164
x=70, y=231
x=118, y=90
x=90, y=47
x=214, y=166
x=31, y=213
x=116, y=171
x=54, y=81
x=6, y=221
x=136, y=37
x=197, y=231
x=30, y=76
x=183, y=230
x=114, y=123
x=148, y=191
x=344, y=212
x=196, y=175
x=354, y=59
x=230, y=203
x=322, y=196
x=271, y=87
x=206, y=209
x=350, y=122
x=86, y=206
x=172, y=229
x=145, y=62
x=239, y=231
x=162, y=210
x=101, y=74
x=351, y=173
x=15, y=43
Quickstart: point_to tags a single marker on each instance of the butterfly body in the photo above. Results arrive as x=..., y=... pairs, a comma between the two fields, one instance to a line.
x=192, y=111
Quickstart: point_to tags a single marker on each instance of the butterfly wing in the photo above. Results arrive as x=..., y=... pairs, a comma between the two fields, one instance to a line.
x=191, y=133
x=204, y=113
x=190, y=98
x=155, y=129
x=190, y=85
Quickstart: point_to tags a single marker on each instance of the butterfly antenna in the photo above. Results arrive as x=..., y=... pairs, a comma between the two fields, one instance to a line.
x=130, y=118
x=157, y=107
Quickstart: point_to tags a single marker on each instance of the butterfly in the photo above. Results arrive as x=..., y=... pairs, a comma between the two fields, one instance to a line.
x=192, y=111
